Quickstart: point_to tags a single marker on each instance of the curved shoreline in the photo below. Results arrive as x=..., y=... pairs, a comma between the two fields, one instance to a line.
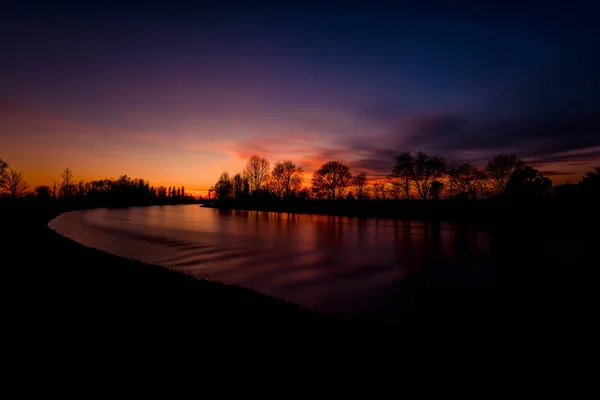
x=95, y=284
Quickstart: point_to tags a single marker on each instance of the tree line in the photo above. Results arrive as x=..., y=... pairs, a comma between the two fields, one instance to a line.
x=123, y=190
x=413, y=176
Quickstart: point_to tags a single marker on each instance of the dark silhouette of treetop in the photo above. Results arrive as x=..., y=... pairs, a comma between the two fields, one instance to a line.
x=14, y=184
x=224, y=187
x=466, y=180
x=499, y=170
x=359, y=183
x=528, y=182
x=591, y=182
x=257, y=172
x=67, y=186
x=403, y=173
x=3, y=169
x=427, y=169
x=286, y=178
x=331, y=180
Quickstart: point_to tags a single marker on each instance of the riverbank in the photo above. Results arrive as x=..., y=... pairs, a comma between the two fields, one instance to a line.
x=575, y=216
x=60, y=283
x=58, y=287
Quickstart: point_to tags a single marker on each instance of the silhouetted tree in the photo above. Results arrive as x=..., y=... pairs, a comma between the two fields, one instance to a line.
x=499, y=170
x=331, y=180
x=241, y=187
x=380, y=190
x=403, y=173
x=286, y=178
x=43, y=193
x=3, y=169
x=182, y=193
x=305, y=194
x=257, y=172
x=466, y=180
x=67, y=186
x=223, y=189
x=13, y=183
x=591, y=182
x=359, y=183
x=436, y=189
x=427, y=169
x=395, y=188
x=83, y=188
x=528, y=182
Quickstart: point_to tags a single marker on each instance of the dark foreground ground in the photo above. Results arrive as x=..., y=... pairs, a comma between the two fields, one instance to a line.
x=57, y=301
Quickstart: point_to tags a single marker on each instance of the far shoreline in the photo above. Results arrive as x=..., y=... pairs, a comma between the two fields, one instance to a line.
x=549, y=213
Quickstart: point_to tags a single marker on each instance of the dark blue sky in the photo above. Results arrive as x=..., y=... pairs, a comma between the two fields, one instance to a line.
x=114, y=85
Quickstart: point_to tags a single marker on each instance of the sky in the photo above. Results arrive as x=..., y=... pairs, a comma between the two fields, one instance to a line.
x=177, y=93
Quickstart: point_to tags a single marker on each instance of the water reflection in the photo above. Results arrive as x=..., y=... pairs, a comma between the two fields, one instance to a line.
x=353, y=266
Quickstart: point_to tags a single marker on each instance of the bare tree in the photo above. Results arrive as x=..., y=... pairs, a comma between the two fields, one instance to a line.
x=500, y=168
x=466, y=180
x=331, y=180
x=403, y=173
x=67, y=186
x=14, y=184
x=396, y=188
x=257, y=172
x=83, y=188
x=240, y=186
x=380, y=190
x=359, y=183
x=3, y=171
x=427, y=169
x=286, y=178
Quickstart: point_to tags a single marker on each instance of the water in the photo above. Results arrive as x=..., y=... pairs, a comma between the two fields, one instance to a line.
x=350, y=266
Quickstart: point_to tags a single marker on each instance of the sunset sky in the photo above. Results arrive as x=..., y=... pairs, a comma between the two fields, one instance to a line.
x=176, y=93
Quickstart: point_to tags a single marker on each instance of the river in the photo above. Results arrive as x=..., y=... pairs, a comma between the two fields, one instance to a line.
x=356, y=267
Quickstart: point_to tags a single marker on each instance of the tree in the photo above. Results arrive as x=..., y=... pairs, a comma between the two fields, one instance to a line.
x=83, y=188
x=223, y=189
x=380, y=190
x=286, y=178
x=13, y=183
x=427, y=169
x=528, y=182
x=257, y=172
x=499, y=170
x=359, y=183
x=43, y=192
x=3, y=170
x=403, y=172
x=331, y=180
x=591, y=182
x=465, y=180
x=396, y=188
x=436, y=189
x=67, y=186
x=241, y=187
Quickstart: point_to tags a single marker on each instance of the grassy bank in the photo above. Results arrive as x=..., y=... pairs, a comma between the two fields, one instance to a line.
x=54, y=281
x=63, y=292
x=57, y=284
